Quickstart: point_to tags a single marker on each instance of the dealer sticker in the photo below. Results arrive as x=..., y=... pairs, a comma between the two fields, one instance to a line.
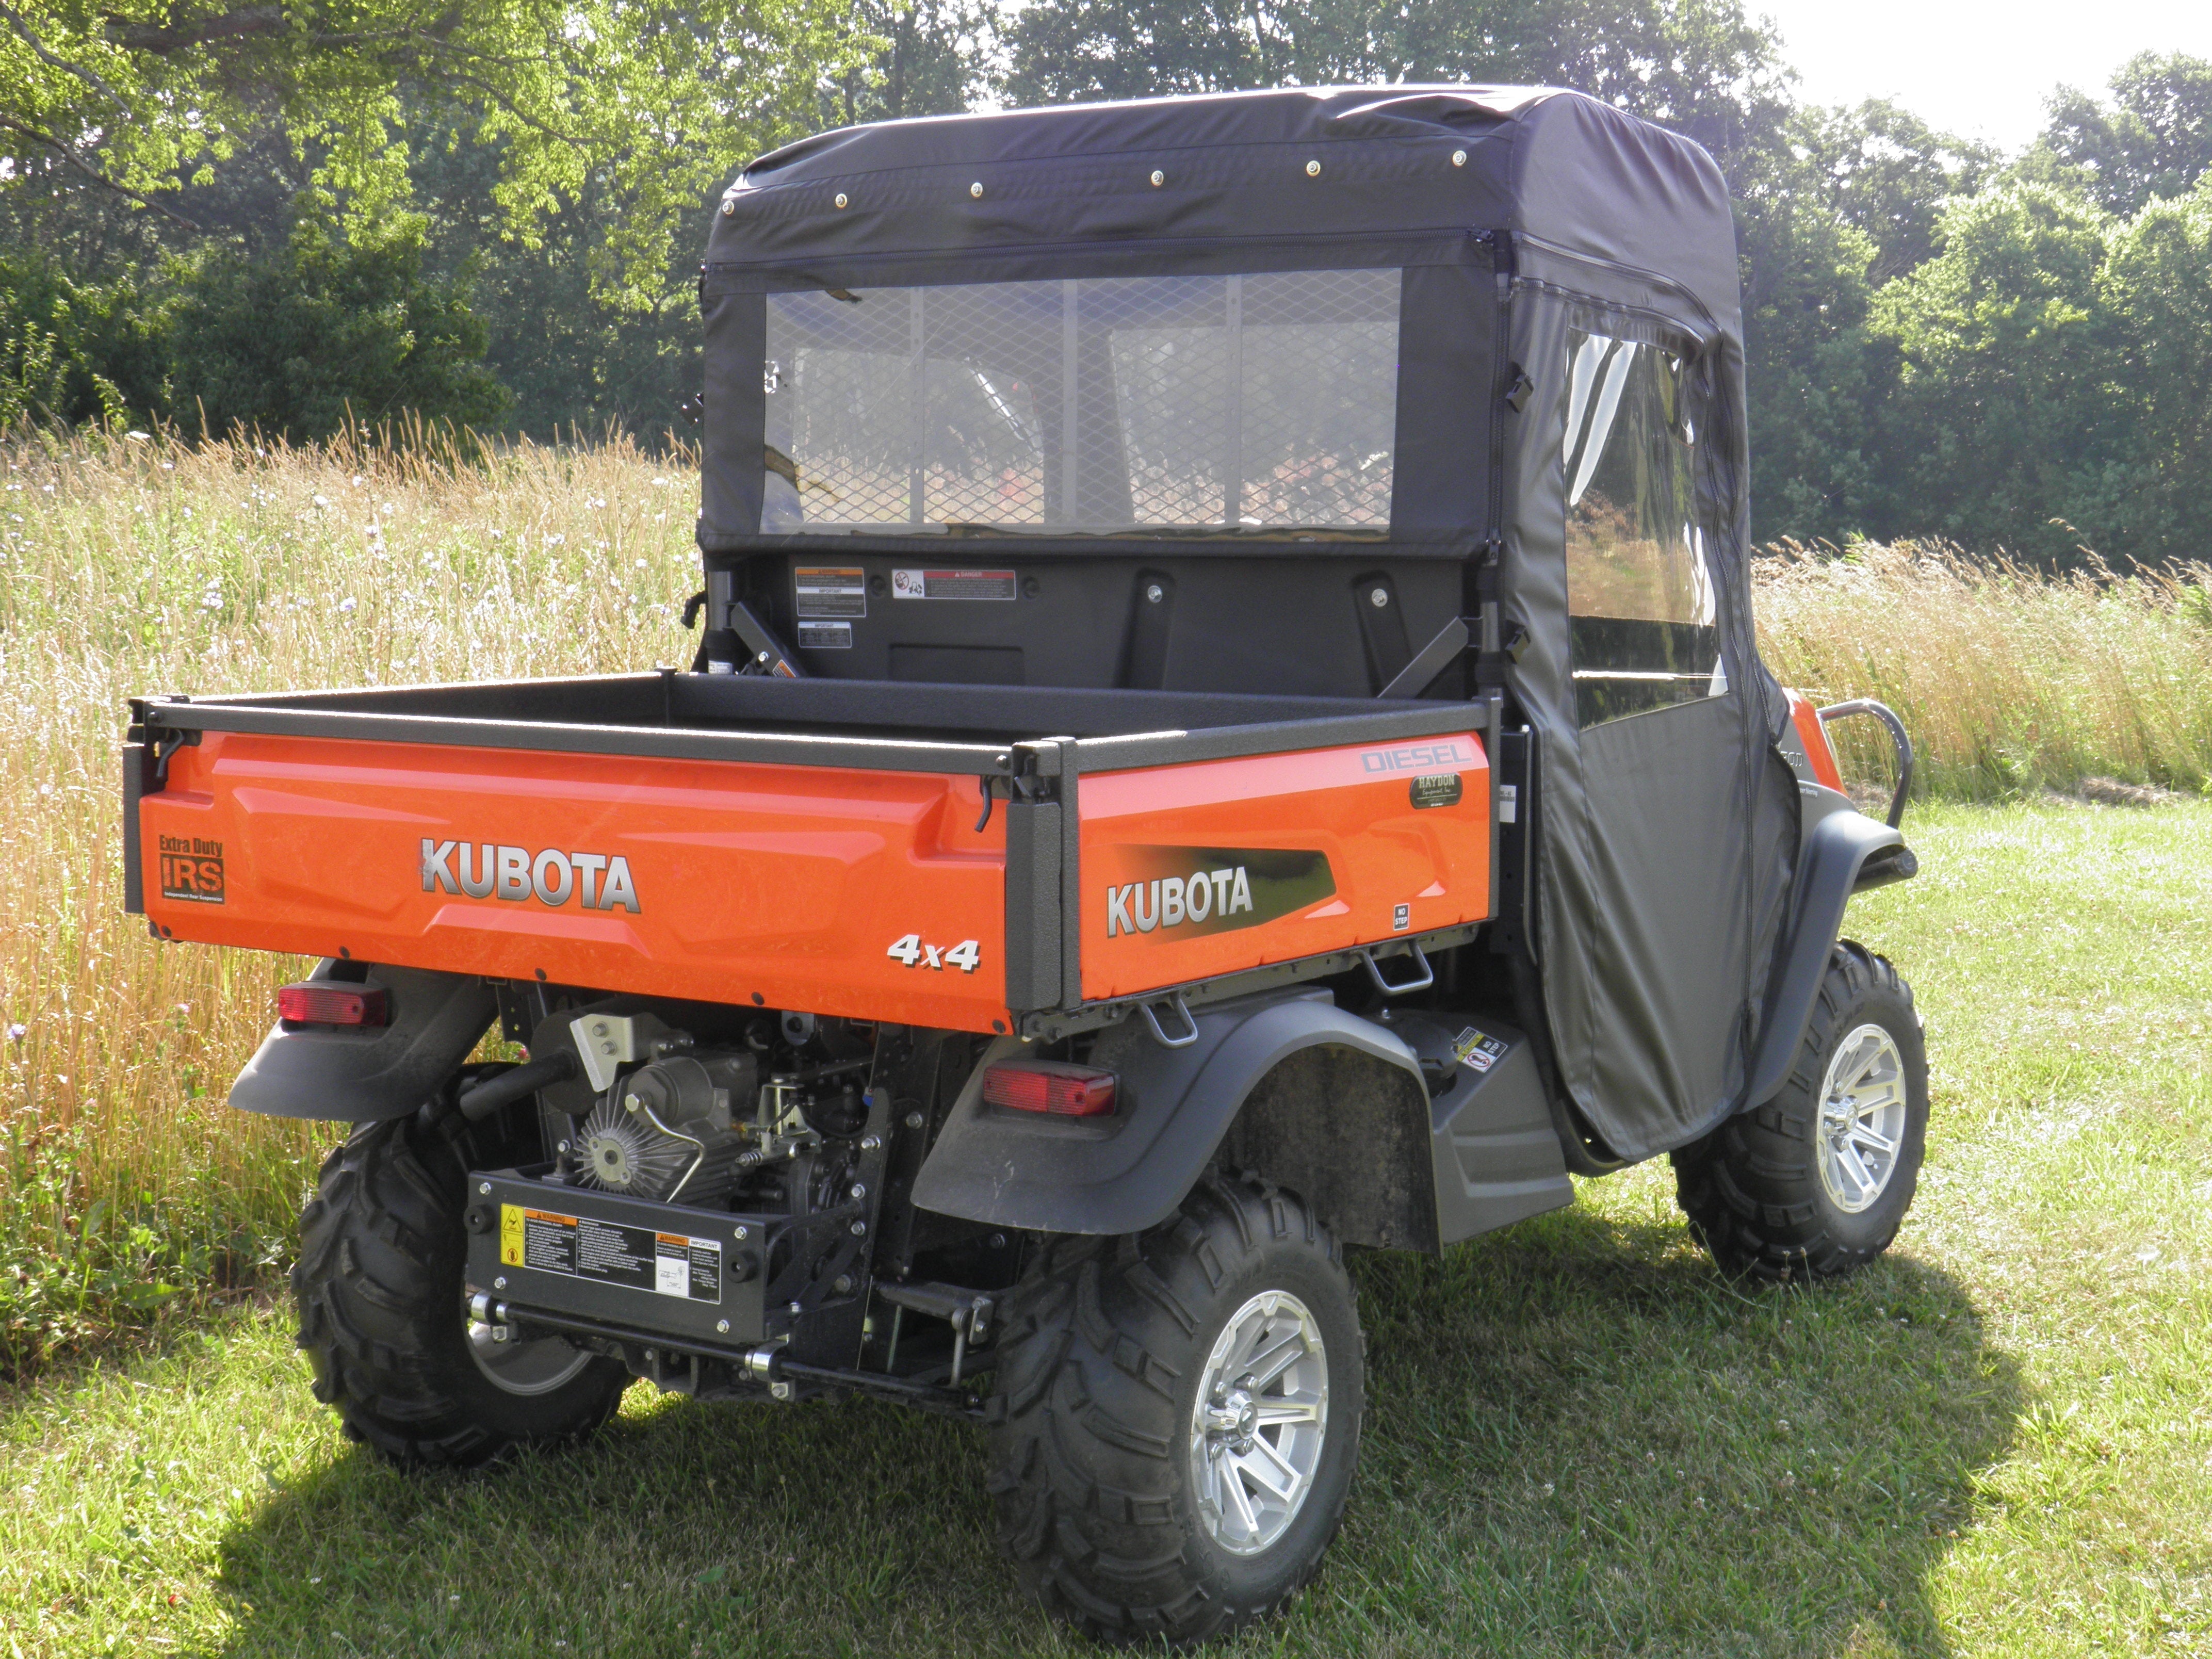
x=830, y=591
x=952, y=584
x=582, y=1247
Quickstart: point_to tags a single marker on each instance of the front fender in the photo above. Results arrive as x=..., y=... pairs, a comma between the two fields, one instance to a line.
x=1845, y=852
x=1128, y=1173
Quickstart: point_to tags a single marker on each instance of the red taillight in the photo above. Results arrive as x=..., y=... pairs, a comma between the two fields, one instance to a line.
x=320, y=1002
x=1047, y=1085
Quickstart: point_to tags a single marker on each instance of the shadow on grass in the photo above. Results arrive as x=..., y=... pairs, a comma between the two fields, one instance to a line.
x=1578, y=1441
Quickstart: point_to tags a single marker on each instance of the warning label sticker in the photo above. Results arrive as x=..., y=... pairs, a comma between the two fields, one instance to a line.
x=825, y=636
x=666, y=1264
x=952, y=584
x=830, y=591
x=1476, y=1051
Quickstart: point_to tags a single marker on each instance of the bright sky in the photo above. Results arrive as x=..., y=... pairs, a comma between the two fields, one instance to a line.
x=1980, y=67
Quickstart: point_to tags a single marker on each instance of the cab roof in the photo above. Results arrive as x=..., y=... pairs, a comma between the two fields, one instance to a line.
x=1188, y=181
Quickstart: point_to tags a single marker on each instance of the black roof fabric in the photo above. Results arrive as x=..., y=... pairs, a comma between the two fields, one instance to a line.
x=1559, y=169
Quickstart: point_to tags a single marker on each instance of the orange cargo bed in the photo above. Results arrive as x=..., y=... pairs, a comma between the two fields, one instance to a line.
x=987, y=860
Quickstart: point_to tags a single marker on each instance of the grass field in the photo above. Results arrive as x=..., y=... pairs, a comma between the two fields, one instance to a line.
x=130, y=1200
x=1580, y=1441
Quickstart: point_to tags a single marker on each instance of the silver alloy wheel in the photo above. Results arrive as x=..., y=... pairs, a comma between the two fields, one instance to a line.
x=1260, y=1422
x=1862, y=1113
x=524, y=1368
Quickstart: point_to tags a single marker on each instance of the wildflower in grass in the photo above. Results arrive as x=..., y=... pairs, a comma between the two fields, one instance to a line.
x=17, y=1032
x=346, y=603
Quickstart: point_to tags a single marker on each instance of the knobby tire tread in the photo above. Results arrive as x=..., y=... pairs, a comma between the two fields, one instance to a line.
x=1752, y=1189
x=378, y=1285
x=1087, y=1432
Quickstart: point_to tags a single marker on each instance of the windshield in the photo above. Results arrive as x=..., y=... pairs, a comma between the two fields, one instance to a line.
x=1217, y=405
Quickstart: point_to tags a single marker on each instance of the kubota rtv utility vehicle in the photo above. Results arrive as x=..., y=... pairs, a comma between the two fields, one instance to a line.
x=1228, y=728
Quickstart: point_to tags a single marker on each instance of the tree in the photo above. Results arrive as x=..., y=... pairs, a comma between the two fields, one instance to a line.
x=329, y=330
x=72, y=352
x=1697, y=66
x=2154, y=140
x=2006, y=428
x=654, y=103
x=932, y=59
x=2156, y=286
x=1886, y=172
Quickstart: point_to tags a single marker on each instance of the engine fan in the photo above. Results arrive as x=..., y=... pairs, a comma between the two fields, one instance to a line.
x=664, y=1131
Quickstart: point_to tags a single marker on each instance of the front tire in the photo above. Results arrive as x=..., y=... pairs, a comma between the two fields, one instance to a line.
x=379, y=1284
x=1814, y=1183
x=1176, y=1417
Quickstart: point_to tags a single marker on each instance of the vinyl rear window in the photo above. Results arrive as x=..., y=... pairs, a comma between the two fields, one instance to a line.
x=1262, y=402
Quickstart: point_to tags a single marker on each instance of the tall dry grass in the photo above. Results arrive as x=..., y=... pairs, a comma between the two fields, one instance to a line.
x=128, y=567
x=2008, y=680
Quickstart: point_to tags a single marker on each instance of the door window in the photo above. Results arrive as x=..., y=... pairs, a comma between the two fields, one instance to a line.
x=1639, y=588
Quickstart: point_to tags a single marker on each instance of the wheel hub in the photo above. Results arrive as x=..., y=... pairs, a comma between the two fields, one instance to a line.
x=1862, y=1117
x=1260, y=1422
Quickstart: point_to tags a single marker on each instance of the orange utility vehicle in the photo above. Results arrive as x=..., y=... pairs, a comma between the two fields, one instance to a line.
x=1227, y=727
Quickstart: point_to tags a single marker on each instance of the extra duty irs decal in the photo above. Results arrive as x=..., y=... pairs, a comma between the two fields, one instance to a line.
x=593, y=880
x=192, y=869
x=1192, y=890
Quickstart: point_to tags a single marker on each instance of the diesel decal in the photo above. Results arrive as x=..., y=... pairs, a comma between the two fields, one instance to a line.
x=192, y=869
x=595, y=881
x=1437, y=757
x=1211, y=890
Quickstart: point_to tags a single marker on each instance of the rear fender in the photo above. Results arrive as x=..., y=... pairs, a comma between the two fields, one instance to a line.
x=1844, y=853
x=365, y=1076
x=1124, y=1174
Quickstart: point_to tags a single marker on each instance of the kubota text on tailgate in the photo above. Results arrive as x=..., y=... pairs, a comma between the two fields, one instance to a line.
x=595, y=880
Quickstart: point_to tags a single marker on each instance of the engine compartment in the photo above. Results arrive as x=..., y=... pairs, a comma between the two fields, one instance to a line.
x=722, y=1204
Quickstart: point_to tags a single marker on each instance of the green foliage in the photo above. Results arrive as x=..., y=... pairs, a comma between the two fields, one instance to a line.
x=2003, y=386
x=332, y=330
x=1699, y=65
x=652, y=102
x=294, y=341
x=2156, y=286
x=73, y=352
x=2154, y=140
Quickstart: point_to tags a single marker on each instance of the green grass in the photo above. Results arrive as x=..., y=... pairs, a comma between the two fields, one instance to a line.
x=1579, y=1440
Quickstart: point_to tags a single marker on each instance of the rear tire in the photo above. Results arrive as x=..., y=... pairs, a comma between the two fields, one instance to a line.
x=1814, y=1183
x=1136, y=1384
x=379, y=1284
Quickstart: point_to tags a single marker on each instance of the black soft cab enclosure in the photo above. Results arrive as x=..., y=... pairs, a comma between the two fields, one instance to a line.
x=1430, y=391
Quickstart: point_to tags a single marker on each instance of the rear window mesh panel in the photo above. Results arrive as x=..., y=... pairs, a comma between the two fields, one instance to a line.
x=1254, y=403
